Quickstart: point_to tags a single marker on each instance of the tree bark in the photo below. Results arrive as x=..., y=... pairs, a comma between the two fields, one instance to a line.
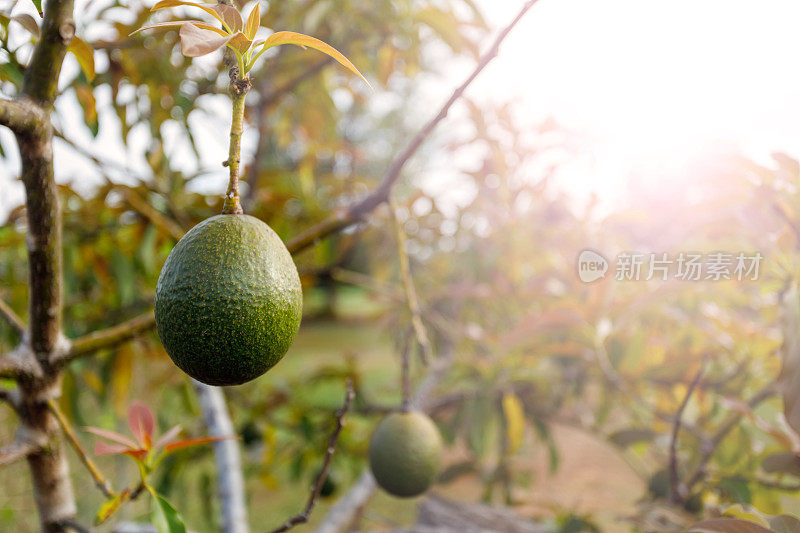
x=53, y=491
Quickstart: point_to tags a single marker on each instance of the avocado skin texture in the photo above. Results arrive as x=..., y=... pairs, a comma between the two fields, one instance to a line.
x=405, y=454
x=228, y=300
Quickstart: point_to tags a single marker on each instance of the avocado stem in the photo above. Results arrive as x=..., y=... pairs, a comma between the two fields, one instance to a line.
x=239, y=89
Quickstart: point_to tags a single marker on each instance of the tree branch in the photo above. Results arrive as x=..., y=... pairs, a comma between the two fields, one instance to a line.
x=302, y=518
x=100, y=481
x=19, y=449
x=11, y=397
x=677, y=492
x=356, y=212
x=108, y=338
x=21, y=115
x=156, y=217
x=20, y=363
x=727, y=426
x=408, y=284
x=230, y=481
x=41, y=75
x=13, y=320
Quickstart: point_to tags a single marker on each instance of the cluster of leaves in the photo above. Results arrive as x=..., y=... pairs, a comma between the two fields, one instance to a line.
x=199, y=38
x=148, y=452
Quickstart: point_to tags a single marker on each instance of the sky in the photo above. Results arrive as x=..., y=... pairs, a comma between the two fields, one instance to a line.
x=654, y=85
x=648, y=86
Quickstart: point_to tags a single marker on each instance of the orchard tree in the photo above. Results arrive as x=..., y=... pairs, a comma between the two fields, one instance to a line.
x=498, y=342
x=37, y=363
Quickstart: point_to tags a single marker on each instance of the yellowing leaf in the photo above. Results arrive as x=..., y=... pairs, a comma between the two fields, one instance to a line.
x=198, y=42
x=111, y=506
x=178, y=23
x=515, y=421
x=299, y=39
x=239, y=42
x=85, y=56
x=253, y=22
x=165, y=4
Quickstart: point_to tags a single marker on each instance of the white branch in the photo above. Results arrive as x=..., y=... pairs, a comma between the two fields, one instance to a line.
x=230, y=481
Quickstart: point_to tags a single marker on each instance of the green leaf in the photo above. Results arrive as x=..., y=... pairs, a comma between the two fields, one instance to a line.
x=165, y=517
x=85, y=56
x=38, y=5
x=736, y=488
x=299, y=39
x=11, y=73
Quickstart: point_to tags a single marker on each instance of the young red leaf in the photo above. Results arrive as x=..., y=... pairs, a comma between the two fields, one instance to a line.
x=230, y=17
x=138, y=455
x=113, y=436
x=177, y=23
x=164, y=4
x=104, y=448
x=253, y=22
x=198, y=42
x=194, y=442
x=167, y=437
x=142, y=423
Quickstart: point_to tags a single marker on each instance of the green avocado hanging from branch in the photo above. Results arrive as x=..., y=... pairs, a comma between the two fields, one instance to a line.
x=228, y=301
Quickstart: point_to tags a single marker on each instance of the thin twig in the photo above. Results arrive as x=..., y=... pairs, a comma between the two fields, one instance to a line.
x=13, y=320
x=101, y=482
x=156, y=217
x=109, y=337
x=19, y=449
x=674, y=480
x=408, y=284
x=347, y=506
x=240, y=85
x=350, y=215
x=727, y=426
x=302, y=518
x=405, y=372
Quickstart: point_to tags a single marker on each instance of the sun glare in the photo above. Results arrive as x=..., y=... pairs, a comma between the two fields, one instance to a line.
x=652, y=85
